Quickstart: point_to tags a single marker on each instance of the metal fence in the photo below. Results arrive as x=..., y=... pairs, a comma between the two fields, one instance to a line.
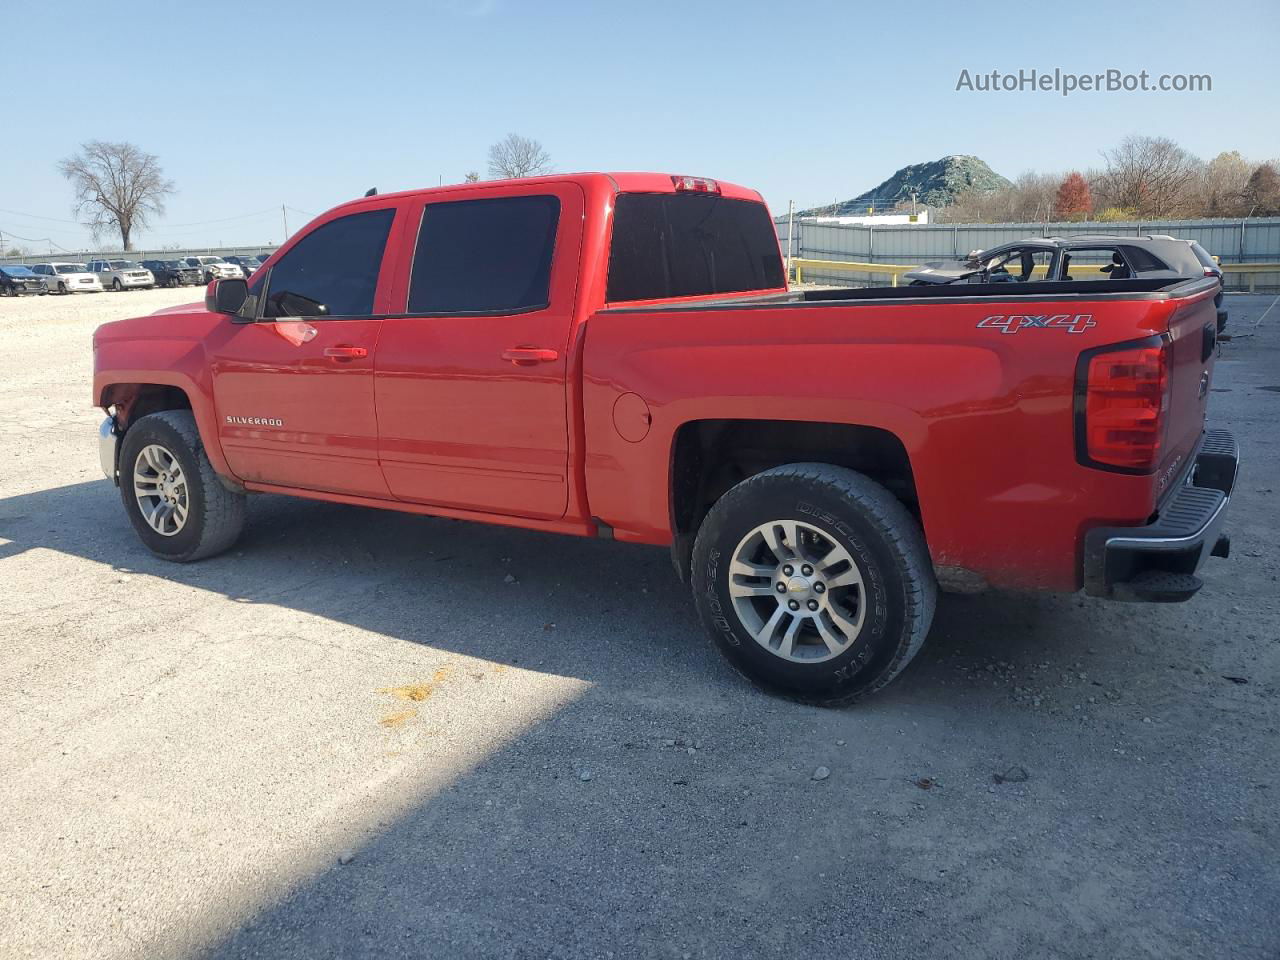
x=1232, y=241
x=83, y=256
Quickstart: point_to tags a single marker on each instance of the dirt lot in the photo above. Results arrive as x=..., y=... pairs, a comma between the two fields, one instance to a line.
x=355, y=736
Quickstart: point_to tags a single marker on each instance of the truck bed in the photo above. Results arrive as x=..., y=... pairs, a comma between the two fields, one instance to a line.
x=977, y=382
x=1044, y=291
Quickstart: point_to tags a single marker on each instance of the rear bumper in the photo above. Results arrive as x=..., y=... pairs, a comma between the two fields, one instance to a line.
x=1158, y=562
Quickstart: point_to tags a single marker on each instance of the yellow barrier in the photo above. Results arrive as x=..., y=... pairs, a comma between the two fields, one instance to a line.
x=1251, y=269
x=895, y=270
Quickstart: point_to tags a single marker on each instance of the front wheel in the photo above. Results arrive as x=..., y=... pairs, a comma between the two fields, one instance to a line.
x=173, y=498
x=814, y=582
x=62, y=289
x=116, y=285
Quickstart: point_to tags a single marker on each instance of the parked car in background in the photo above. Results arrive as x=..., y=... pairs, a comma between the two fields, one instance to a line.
x=173, y=273
x=249, y=265
x=17, y=280
x=122, y=274
x=66, y=277
x=1156, y=256
x=215, y=268
x=1212, y=268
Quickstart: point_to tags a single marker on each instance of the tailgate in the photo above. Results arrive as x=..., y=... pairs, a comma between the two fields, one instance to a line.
x=1193, y=331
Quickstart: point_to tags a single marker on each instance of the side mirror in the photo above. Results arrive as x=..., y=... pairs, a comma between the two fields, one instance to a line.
x=226, y=296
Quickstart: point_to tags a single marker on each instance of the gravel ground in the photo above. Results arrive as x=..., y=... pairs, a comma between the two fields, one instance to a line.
x=366, y=734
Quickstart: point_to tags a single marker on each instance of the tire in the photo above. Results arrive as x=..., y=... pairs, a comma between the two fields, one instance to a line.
x=62, y=289
x=877, y=610
x=116, y=286
x=214, y=515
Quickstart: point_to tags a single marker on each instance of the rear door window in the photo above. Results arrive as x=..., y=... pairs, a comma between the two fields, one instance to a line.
x=1022, y=264
x=332, y=271
x=488, y=257
x=687, y=245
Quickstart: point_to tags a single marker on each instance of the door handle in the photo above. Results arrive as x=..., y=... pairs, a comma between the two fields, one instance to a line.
x=344, y=351
x=525, y=356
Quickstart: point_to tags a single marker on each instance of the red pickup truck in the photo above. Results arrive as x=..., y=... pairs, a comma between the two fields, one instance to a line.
x=619, y=356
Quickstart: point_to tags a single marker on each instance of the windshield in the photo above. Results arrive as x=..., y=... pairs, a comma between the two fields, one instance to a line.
x=123, y=265
x=17, y=271
x=173, y=264
x=71, y=268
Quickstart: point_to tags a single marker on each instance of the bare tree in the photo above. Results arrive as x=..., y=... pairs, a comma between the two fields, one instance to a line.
x=1029, y=199
x=518, y=156
x=1223, y=184
x=118, y=187
x=1152, y=176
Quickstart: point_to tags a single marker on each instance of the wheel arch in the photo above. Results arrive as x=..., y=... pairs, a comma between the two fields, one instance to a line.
x=129, y=399
x=708, y=457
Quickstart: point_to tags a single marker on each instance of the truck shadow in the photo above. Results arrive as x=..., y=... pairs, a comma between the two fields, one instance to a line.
x=583, y=603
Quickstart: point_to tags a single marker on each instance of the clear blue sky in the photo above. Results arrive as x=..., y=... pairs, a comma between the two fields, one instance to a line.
x=250, y=106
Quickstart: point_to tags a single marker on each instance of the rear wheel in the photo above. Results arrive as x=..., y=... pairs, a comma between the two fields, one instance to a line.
x=814, y=582
x=174, y=500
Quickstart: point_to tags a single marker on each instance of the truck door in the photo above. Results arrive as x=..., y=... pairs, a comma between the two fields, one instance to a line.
x=470, y=377
x=293, y=391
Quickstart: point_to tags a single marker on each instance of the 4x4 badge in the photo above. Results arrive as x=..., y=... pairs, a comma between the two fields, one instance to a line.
x=1013, y=322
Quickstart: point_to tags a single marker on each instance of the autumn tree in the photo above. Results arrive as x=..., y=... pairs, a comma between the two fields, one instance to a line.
x=1073, y=199
x=472, y=176
x=117, y=187
x=517, y=156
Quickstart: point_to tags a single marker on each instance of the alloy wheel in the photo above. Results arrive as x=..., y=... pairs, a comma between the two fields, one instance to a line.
x=797, y=591
x=160, y=487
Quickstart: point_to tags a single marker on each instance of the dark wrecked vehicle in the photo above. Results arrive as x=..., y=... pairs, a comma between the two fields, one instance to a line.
x=1078, y=258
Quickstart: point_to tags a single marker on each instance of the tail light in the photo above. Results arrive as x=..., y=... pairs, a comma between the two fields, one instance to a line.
x=1122, y=405
x=695, y=185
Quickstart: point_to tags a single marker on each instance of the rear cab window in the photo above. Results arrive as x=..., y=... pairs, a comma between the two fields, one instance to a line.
x=672, y=245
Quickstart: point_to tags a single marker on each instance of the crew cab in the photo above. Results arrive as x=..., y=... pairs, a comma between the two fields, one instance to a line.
x=619, y=356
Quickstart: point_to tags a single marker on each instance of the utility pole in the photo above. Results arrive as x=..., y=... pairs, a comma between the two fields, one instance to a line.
x=285, y=217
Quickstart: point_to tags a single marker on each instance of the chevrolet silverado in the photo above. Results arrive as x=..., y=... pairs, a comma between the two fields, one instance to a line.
x=620, y=356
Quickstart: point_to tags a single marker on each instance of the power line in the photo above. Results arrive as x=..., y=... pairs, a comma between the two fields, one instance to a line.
x=36, y=216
